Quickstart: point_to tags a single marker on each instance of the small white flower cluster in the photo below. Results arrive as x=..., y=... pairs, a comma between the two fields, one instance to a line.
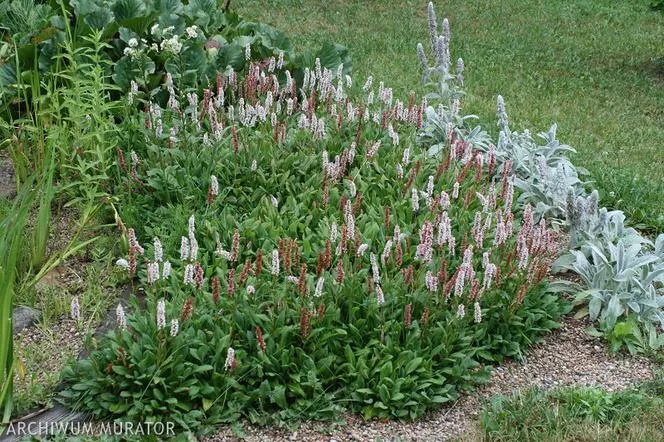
x=161, y=314
x=375, y=272
x=153, y=267
x=132, y=50
x=133, y=91
x=75, y=309
x=319, y=287
x=230, y=359
x=431, y=282
x=220, y=251
x=386, y=252
x=172, y=45
x=192, y=31
x=361, y=249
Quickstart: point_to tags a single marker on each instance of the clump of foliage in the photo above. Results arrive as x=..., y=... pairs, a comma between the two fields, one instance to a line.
x=576, y=414
x=324, y=262
x=622, y=275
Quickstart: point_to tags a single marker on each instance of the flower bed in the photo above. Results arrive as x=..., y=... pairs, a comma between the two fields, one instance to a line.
x=300, y=255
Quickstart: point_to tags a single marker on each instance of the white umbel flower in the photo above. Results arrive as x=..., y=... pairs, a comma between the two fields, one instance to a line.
x=122, y=263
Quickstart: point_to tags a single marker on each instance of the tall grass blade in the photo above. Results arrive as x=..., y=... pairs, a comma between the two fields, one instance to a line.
x=11, y=239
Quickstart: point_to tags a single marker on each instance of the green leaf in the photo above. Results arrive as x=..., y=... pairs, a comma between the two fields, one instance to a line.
x=384, y=393
x=98, y=18
x=331, y=55
x=386, y=370
x=230, y=55
x=128, y=9
x=413, y=364
x=279, y=396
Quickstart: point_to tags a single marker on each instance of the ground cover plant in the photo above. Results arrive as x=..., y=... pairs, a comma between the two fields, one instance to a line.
x=60, y=73
x=307, y=257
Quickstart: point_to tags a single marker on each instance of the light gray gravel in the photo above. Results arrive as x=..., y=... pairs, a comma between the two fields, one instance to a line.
x=571, y=357
x=566, y=357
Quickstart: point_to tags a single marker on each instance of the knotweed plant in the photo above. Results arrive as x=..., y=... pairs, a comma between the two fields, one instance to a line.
x=330, y=265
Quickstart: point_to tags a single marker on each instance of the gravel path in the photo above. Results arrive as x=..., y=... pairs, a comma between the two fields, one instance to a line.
x=566, y=357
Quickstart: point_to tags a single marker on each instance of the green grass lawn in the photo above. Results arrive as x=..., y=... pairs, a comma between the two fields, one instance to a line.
x=594, y=67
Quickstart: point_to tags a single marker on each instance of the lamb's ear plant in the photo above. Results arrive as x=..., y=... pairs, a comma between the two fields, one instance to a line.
x=543, y=171
x=11, y=240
